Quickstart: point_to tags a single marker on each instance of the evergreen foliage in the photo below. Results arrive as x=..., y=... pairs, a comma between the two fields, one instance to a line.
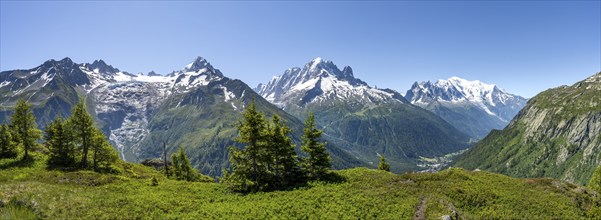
x=317, y=163
x=269, y=160
x=103, y=153
x=282, y=161
x=8, y=148
x=82, y=124
x=69, y=142
x=249, y=171
x=182, y=169
x=25, y=131
x=59, y=141
x=383, y=165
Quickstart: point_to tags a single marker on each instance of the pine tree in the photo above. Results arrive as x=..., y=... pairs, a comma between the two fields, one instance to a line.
x=25, y=131
x=282, y=154
x=82, y=124
x=317, y=162
x=182, y=168
x=8, y=148
x=59, y=140
x=383, y=165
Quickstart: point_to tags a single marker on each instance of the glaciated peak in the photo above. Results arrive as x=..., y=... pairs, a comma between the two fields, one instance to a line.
x=321, y=63
x=99, y=66
x=320, y=67
x=66, y=60
x=198, y=64
x=347, y=71
x=152, y=73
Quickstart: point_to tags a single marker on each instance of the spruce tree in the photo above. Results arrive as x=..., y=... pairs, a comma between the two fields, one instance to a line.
x=82, y=124
x=25, y=130
x=249, y=165
x=8, y=148
x=317, y=163
x=59, y=140
x=252, y=134
x=282, y=154
x=383, y=165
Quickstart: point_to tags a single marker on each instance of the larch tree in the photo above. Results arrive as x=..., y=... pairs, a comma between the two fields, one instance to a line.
x=8, y=148
x=82, y=124
x=103, y=153
x=25, y=130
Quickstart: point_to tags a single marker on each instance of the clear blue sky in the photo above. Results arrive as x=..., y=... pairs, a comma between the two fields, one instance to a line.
x=524, y=47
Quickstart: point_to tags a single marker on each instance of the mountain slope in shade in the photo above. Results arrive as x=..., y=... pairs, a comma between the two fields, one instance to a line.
x=363, y=120
x=557, y=134
x=471, y=106
x=196, y=107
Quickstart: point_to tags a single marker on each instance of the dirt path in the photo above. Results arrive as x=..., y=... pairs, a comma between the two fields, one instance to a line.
x=420, y=212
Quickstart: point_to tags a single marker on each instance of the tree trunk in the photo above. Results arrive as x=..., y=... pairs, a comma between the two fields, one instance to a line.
x=95, y=158
x=84, y=159
x=165, y=159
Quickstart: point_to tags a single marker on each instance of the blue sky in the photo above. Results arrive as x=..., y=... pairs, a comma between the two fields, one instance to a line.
x=524, y=47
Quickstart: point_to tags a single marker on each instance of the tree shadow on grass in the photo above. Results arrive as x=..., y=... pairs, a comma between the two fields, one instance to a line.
x=23, y=162
x=332, y=177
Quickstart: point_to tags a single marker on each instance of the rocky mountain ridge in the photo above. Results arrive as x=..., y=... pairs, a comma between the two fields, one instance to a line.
x=557, y=134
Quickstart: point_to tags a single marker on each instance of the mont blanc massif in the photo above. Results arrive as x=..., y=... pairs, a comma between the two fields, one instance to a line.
x=198, y=108
x=516, y=157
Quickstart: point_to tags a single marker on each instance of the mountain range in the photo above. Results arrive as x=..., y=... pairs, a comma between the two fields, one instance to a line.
x=198, y=108
x=368, y=121
x=473, y=107
x=557, y=135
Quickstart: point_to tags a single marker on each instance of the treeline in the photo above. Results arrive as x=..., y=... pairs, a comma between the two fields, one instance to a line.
x=269, y=160
x=73, y=143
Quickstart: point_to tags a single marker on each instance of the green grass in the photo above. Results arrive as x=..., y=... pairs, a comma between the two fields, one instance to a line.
x=34, y=192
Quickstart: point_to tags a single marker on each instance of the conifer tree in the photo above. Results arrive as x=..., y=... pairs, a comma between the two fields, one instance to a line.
x=8, y=148
x=282, y=153
x=252, y=134
x=317, y=163
x=82, y=124
x=182, y=168
x=249, y=165
x=103, y=153
x=383, y=165
x=25, y=131
x=59, y=140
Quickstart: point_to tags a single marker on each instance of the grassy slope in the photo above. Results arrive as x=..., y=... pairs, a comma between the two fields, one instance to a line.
x=365, y=194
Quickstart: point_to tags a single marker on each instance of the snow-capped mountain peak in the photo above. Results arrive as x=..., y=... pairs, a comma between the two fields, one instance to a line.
x=320, y=80
x=458, y=90
x=198, y=64
x=99, y=66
